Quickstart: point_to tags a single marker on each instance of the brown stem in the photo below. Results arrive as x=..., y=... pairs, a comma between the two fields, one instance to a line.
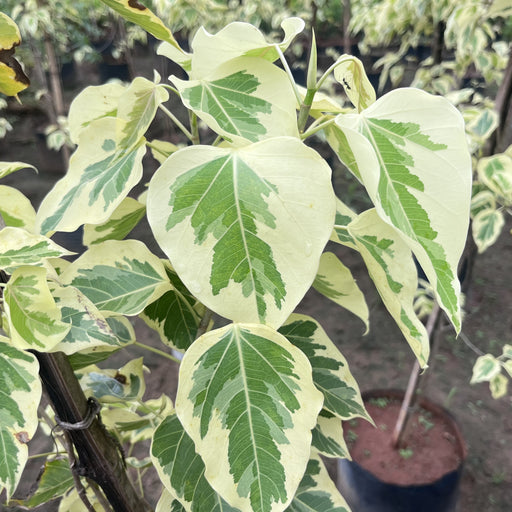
x=410, y=393
x=438, y=43
x=98, y=456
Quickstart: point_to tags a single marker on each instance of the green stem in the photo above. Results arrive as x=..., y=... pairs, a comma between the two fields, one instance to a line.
x=177, y=122
x=41, y=455
x=305, y=107
x=157, y=351
x=171, y=88
x=289, y=73
x=194, y=127
x=314, y=129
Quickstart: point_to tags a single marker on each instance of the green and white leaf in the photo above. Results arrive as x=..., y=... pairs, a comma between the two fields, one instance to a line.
x=34, y=319
x=317, y=491
x=89, y=328
x=335, y=281
x=125, y=384
x=73, y=502
x=498, y=386
x=136, y=110
x=162, y=149
x=237, y=40
x=417, y=171
x=16, y=209
x=486, y=228
x=331, y=373
x=245, y=99
x=485, y=368
x=175, y=315
x=231, y=225
x=121, y=276
x=344, y=216
x=135, y=12
x=328, y=437
x=246, y=398
x=181, y=469
x=392, y=269
x=349, y=72
x=56, y=480
x=100, y=175
x=94, y=102
x=10, y=167
x=168, y=503
x=20, y=393
x=495, y=172
x=123, y=219
x=19, y=247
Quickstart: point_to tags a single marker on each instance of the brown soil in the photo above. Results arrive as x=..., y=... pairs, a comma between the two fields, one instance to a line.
x=428, y=452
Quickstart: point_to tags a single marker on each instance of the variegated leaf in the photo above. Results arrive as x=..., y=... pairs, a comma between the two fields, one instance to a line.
x=331, y=373
x=20, y=393
x=162, y=149
x=486, y=367
x=344, y=216
x=121, y=385
x=94, y=102
x=349, y=72
x=486, y=228
x=123, y=219
x=168, y=503
x=89, y=328
x=334, y=280
x=136, y=110
x=495, y=172
x=412, y=154
x=16, y=209
x=317, y=491
x=181, y=469
x=328, y=437
x=237, y=40
x=230, y=223
x=100, y=176
x=121, y=276
x=246, y=398
x=34, y=319
x=56, y=480
x=245, y=99
x=498, y=386
x=139, y=14
x=10, y=167
x=175, y=315
x=19, y=247
x=392, y=269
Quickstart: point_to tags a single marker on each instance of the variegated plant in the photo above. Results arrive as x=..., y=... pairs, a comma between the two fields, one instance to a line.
x=244, y=224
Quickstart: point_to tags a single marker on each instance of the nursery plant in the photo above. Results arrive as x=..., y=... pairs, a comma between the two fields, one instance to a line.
x=242, y=225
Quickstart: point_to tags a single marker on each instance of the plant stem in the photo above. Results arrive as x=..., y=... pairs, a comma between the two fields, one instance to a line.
x=157, y=351
x=412, y=385
x=290, y=75
x=194, y=127
x=177, y=122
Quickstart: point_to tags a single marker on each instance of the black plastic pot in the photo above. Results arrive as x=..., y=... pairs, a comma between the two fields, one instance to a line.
x=365, y=492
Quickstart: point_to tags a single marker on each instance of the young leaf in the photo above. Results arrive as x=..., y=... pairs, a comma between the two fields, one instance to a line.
x=100, y=175
x=123, y=219
x=246, y=398
x=94, y=102
x=331, y=373
x=237, y=40
x=33, y=317
x=335, y=281
x=231, y=225
x=7, y=168
x=136, y=110
x=20, y=393
x=89, y=328
x=391, y=267
x=328, y=437
x=19, y=247
x=16, y=209
x=317, y=491
x=181, y=469
x=350, y=73
x=139, y=14
x=486, y=367
x=411, y=142
x=175, y=315
x=495, y=172
x=119, y=276
x=245, y=99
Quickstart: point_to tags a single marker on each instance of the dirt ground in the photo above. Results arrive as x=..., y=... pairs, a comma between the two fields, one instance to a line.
x=380, y=359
